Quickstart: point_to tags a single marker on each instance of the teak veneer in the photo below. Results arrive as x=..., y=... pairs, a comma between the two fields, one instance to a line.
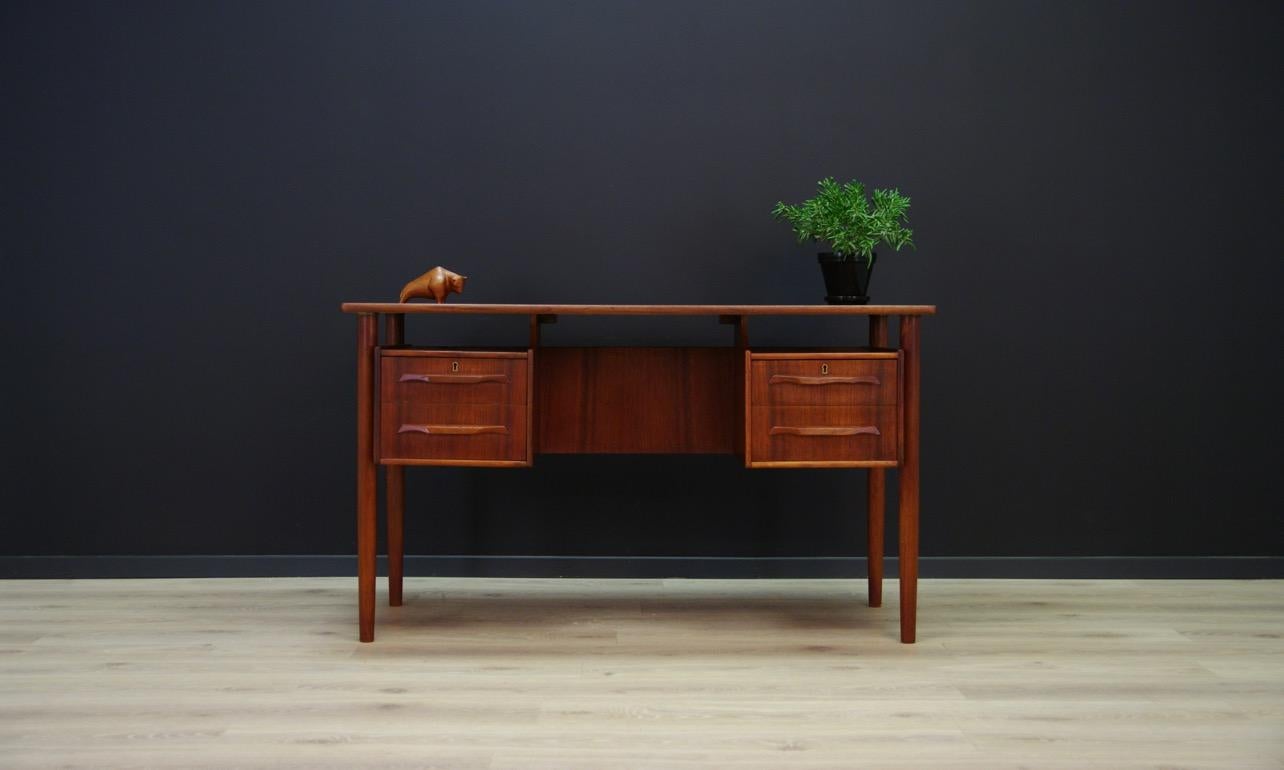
x=814, y=407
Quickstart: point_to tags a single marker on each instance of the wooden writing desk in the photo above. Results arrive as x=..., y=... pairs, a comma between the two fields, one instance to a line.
x=814, y=407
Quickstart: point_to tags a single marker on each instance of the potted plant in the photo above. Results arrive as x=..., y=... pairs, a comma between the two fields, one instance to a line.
x=844, y=217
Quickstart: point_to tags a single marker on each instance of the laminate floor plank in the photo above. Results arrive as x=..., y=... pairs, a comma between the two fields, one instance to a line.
x=507, y=674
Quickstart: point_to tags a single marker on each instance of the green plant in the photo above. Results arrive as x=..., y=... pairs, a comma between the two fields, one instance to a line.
x=843, y=216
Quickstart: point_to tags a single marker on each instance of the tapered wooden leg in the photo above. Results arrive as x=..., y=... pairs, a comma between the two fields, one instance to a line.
x=877, y=504
x=395, y=489
x=908, y=474
x=367, y=335
x=876, y=497
x=395, y=477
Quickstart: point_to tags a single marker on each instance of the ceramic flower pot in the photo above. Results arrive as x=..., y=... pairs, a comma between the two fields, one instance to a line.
x=846, y=278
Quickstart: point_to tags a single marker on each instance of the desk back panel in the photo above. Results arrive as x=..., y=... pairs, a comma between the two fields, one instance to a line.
x=628, y=400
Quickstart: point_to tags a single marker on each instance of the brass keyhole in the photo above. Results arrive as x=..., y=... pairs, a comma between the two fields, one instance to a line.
x=454, y=366
x=824, y=368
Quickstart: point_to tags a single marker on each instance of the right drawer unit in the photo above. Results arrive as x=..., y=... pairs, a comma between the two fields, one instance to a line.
x=824, y=410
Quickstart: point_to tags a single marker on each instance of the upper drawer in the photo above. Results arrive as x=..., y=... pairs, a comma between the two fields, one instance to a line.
x=452, y=377
x=824, y=381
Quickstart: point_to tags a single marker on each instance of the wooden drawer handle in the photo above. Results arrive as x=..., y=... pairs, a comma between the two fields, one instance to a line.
x=454, y=379
x=791, y=379
x=453, y=430
x=824, y=430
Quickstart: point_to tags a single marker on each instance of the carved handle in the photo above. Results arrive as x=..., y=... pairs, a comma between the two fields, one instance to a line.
x=453, y=430
x=780, y=379
x=824, y=430
x=454, y=379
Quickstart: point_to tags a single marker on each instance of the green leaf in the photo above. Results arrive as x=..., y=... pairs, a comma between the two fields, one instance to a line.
x=843, y=216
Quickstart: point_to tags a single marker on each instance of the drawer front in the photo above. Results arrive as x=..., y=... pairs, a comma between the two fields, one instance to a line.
x=447, y=379
x=824, y=434
x=446, y=433
x=824, y=381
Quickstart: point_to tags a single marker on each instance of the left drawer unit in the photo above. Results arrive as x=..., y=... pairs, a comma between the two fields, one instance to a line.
x=453, y=407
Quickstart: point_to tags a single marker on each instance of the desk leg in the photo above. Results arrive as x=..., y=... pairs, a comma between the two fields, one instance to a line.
x=367, y=337
x=876, y=504
x=909, y=479
x=876, y=497
x=395, y=489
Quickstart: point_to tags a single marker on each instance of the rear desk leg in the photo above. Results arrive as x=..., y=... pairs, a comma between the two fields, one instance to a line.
x=395, y=490
x=876, y=504
x=367, y=334
x=909, y=479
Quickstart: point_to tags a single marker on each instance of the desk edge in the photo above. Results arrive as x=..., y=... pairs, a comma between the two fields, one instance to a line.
x=690, y=310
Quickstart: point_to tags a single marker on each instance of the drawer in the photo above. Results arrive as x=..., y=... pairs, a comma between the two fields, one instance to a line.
x=823, y=381
x=448, y=434
x=446, y=377
x=824, y=435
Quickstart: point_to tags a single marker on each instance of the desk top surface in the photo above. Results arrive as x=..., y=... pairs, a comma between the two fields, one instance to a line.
x=485, y=309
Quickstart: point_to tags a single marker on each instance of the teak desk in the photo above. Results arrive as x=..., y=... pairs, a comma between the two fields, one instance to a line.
x=795, y=408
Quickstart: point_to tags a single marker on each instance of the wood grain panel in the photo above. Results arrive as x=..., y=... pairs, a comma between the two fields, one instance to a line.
x=828, y=434
x=613, y=400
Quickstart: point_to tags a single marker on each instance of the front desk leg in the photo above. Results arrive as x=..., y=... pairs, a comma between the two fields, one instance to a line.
x=909, y=478
x=367, y=338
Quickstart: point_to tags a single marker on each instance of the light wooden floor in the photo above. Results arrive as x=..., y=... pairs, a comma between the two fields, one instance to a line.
x=573, y=674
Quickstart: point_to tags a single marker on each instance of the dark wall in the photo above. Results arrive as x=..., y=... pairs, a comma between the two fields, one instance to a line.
x=190, y=190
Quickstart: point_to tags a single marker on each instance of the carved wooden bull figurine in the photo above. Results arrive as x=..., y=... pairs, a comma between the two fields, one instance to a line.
x=436, y=283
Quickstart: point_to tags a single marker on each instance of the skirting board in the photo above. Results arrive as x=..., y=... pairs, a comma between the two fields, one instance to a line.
x=1080, y=567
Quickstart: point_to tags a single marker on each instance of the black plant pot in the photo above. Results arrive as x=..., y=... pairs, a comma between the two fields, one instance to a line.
x=846, y=278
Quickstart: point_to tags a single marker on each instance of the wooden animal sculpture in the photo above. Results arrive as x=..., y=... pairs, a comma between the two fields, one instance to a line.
x=436, y=283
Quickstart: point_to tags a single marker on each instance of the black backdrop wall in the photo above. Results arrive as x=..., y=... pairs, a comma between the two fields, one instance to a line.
x=190, y=189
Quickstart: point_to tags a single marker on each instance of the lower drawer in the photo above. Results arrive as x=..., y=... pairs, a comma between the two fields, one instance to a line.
x=453, y=434
x=824, y=435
